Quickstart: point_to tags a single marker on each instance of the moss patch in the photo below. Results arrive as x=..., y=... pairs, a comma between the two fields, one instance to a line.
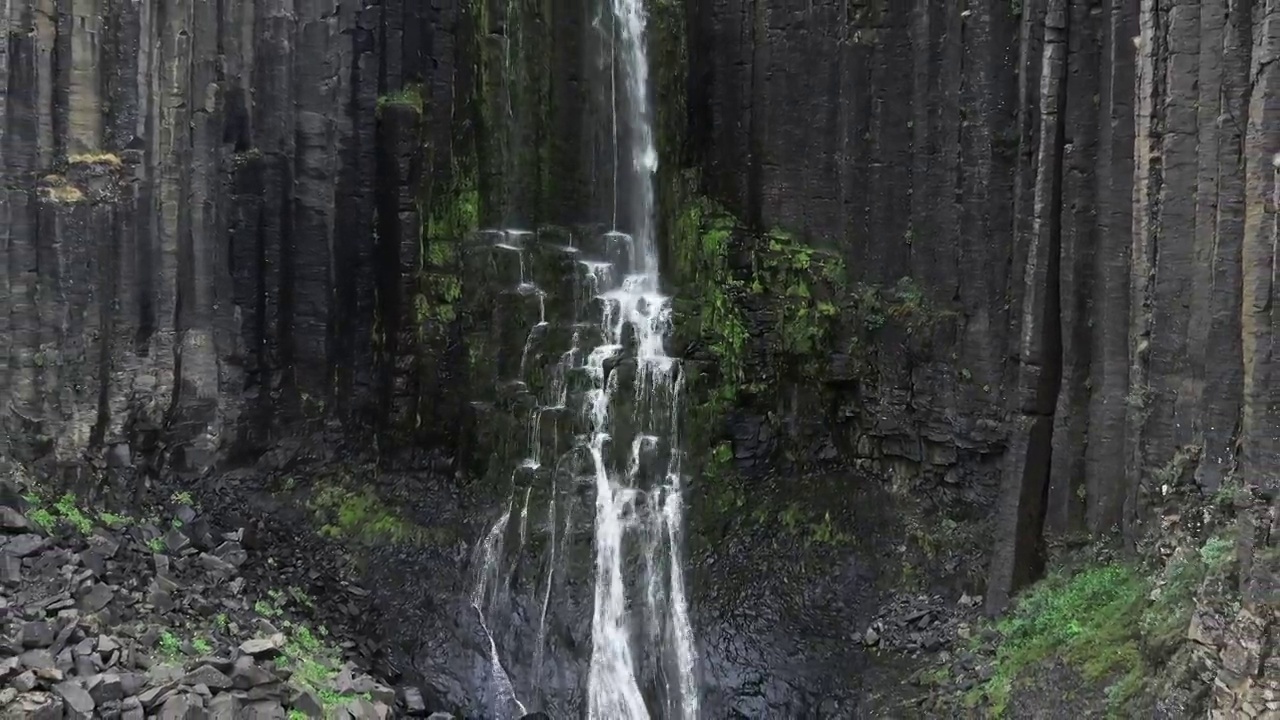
x=1115, y=623
x=68, y=512
x=453, y=217
x=360, y=515
x=409, y=97
x=311, y=659
x=705, y=231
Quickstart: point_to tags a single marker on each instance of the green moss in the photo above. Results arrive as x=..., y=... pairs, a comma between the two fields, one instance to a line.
x=356, y=514
x=67, y=510
x=170, y=645
x=409, y=97
x=804, y=287
x=705, y=231
x=360, y=515
x=1087, y=619
x=314, y=664
x=454, y=216
x=43, y=518
x=729, y=496
x=1114, y=623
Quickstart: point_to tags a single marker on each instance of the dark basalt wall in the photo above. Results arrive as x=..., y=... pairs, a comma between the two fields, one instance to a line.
x=1007, y=263
x=1088, y=185
x=207, y=210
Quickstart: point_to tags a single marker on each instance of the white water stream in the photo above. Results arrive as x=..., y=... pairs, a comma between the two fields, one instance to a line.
x=637, y=493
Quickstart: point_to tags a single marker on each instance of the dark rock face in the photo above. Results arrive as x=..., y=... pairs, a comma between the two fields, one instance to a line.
x=204, y=213
x=221, y=223
x=1084, y=184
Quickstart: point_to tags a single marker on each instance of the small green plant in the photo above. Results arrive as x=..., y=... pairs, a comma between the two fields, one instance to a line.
x=201, y=646
x=1217, y=552
x=176, y=524
x=300, y=596
x=1230, y=493
x=313, y=665
x=170, y=645
x=66, y=507
x=43, y=518
x=361, y=516
x=266, y=609
x=220, y=622
x=156, y=544
x=296, y=714
x=409, y=97
x=113, y=520
x=181, y=498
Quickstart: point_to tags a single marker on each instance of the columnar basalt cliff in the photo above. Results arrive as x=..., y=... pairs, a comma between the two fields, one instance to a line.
x=1084, y=184
x=207, y=209
x=955, y=284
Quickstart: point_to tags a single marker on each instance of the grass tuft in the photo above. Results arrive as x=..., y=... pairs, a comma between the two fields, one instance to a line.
x=1111, y=623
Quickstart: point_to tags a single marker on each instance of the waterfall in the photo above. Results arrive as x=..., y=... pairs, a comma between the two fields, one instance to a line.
x=622, y=392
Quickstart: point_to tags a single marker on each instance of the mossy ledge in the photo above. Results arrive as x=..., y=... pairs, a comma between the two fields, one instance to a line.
x=1117, y=634
x=756, y=309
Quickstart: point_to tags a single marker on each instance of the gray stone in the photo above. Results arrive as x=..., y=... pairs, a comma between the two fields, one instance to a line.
x=97, y=598
x=175, y=707
x=105, y=688
x=232, y=552
x=263, y=710
x=34, y=705
x=37, y=659
x=307, y=702
x=13, y=521
x=413, y=702
x=264, y=648
x=131, y=709
x=246, y=673
x=24, y=545
x=223, y=707
x=37, y=634
x=208, y=676
x=77, y=699
x=24, y=681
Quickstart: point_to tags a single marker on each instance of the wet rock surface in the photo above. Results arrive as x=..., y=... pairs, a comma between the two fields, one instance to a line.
x=163, y=335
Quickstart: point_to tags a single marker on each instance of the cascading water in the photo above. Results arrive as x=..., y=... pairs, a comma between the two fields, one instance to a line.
x=628, y=448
